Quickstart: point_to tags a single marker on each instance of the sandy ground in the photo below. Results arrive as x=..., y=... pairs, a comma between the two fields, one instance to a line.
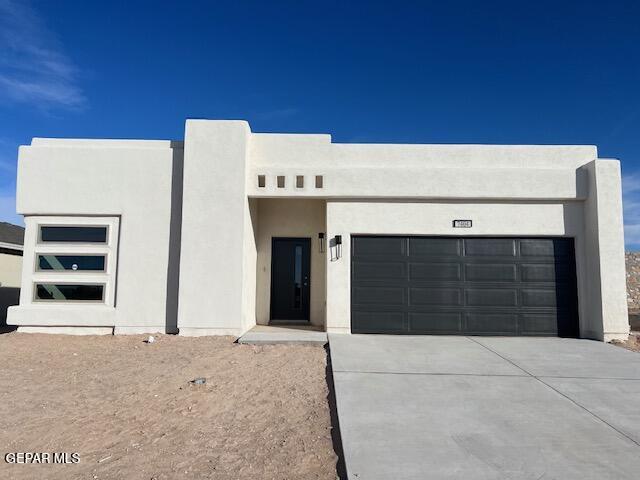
x=633, y=343
x=128, y=408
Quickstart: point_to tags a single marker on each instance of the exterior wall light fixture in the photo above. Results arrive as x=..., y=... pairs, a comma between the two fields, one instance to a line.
x=321, y=240
x=338, y=246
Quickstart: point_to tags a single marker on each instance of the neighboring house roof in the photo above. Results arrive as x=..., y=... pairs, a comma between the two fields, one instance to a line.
x=11, y=236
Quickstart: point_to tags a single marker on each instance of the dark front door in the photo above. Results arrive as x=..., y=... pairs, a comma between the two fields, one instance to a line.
x=290, y=269
x=476, y=286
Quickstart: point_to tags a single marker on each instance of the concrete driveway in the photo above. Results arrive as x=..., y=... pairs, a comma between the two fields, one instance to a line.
x=434, y=407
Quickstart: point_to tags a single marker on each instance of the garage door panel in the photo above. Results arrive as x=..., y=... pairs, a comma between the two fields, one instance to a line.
x=434, y=247
x=435, y=296
x=541, y=297
x=553, y=272
x=491, y=323
x=491, y=297
x=484, y=286
x=434, y=271
x=491, y=272
x=379, y=295
x=379, y=322
x=379, y=271
x=482, y=247
x=546, y=247
x=435, y=322
x=541, y=323
x=378, y=246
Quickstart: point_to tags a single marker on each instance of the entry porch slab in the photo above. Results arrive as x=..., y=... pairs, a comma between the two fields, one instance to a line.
x=270, y=335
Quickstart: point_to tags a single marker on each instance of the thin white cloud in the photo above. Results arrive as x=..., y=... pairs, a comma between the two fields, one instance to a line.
x=631, y=199
x=631, y=183
x=8, y=210
x=33, y=66
x=8, y=164
x=8, y=159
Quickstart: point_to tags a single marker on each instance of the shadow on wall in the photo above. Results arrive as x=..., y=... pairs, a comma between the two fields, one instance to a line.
x=8, y=296
x=566, y=287
x=175, y=234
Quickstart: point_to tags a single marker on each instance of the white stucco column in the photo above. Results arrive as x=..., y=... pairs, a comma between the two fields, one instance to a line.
x=604, y=265
x=216, y=224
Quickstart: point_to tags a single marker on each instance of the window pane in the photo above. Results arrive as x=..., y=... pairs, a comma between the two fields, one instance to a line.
x=68, y=292
x=71, y=262
x=297, y=278
x=89, y=234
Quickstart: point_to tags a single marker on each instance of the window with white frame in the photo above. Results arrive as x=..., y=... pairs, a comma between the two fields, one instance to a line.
x=74, y=259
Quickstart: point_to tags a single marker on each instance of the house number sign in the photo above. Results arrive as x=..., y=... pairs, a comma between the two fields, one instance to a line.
x=462, y=223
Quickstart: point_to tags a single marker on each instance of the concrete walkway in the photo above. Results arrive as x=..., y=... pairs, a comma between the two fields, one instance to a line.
x=486, y=408
x=273, y=335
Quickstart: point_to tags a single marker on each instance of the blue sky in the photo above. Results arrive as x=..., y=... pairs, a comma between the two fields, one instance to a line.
x=542, y=72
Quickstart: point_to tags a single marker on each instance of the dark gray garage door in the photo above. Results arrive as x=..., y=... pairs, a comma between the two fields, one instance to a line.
x=443, y=285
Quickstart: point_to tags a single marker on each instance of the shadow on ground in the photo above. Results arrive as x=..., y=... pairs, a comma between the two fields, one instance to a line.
x=341, y=470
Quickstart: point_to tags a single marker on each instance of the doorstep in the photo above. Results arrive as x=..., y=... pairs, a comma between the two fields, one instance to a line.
x=272, y=335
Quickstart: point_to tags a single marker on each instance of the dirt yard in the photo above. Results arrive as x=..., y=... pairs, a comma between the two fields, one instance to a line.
x=633, y=343
x=129, y=410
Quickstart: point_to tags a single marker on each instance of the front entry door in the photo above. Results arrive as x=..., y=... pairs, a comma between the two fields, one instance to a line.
x=290, y=269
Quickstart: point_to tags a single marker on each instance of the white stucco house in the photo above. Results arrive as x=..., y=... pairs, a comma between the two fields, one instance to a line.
x=231, y=228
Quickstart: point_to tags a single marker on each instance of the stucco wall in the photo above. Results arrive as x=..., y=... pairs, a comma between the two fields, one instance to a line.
x=416, y=171
x=290, y=218
x=286, y=150
x=131, y=180
x=601, y=277
x=216, y=252
x=250, y=264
